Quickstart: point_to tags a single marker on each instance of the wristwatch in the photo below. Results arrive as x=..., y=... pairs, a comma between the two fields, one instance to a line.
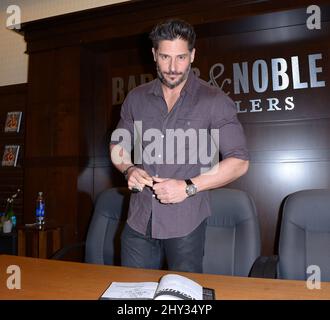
x=191, y=189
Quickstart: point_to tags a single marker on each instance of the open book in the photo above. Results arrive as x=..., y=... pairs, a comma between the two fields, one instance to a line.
x=170, y=287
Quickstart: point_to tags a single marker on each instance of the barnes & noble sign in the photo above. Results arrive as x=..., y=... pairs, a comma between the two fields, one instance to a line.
x=272, y=77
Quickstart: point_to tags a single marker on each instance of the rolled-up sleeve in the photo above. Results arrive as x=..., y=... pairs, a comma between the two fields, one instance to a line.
x=232, y=141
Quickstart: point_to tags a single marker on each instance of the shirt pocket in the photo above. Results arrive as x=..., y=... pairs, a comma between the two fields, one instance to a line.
x=190, y=123
x=147, y=123
x=185, y=139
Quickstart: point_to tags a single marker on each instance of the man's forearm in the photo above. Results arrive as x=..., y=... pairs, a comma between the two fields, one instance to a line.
x=221, y=174
x=120, y=158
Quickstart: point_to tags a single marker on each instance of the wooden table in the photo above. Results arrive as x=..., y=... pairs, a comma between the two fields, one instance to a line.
x=51, y=279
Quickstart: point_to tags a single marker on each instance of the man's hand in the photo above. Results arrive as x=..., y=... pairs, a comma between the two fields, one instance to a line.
x=138, y=178
x=169, y=190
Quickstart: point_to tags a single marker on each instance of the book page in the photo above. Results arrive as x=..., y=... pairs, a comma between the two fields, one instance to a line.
x=130, y=290
x=176, y=287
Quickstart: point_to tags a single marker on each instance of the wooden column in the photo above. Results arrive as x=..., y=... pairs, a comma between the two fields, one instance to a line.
x=55, y=136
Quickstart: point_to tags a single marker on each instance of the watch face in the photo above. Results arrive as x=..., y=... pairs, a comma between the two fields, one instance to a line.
x=191, y=190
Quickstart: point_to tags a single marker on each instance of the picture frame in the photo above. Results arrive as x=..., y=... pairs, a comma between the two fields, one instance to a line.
x=13, y=121
x=10, y=155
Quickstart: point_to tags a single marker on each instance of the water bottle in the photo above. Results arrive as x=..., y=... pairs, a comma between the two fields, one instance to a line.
x=40, y=211
x=14, y=221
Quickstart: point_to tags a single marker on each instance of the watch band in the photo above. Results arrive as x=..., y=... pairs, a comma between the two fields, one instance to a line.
x=188, y=182
x=125, y=172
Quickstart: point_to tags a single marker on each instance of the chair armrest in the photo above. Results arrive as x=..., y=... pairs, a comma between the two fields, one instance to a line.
x=265, y=267
x=61, y=253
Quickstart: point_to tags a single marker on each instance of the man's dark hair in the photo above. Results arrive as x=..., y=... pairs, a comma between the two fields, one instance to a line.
x=173, y=29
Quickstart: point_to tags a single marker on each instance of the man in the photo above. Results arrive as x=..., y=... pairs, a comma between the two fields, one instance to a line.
x=168, y=215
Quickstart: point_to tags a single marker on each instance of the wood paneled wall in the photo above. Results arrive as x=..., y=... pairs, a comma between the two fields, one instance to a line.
x=73, y=60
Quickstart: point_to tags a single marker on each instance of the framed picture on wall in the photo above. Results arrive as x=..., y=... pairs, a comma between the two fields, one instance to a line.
x=13, y=121
x=10, y=155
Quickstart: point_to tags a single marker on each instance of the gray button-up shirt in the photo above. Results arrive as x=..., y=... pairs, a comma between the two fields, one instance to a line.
x=179, y=144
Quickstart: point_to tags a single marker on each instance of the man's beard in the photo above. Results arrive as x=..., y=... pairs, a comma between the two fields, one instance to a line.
x=172, y=85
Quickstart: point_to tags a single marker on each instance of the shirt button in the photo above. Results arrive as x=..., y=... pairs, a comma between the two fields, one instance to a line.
x=162, y=136
x=154, y=196
x=159, y=156
x=156, y=175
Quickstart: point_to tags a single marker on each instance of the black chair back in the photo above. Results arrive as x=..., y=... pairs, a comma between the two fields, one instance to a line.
x=305, y=235
x=232, y=241
x=109, y=217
